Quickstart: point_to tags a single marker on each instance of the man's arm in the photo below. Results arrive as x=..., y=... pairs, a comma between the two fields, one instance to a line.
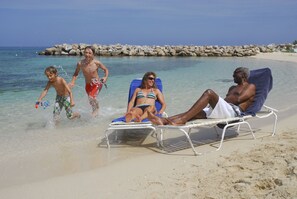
x=247, y=93
x=235, y=97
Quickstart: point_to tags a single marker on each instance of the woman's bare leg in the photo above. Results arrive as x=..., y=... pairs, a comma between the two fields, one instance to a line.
x=150, y=109
x=134, y=113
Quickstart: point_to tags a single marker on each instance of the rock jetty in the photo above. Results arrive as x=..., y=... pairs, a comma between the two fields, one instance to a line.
x=167, y=50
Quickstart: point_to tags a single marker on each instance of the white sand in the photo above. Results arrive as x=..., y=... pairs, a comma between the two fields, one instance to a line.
x=278, y=56
x=244, y=168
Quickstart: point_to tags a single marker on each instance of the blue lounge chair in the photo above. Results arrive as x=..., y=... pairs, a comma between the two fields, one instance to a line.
x=263, y=80
x=120, y=123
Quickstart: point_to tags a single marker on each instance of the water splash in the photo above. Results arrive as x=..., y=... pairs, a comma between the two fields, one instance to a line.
x=66, y=76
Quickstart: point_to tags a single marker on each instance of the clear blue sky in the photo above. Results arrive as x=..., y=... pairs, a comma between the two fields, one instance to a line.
x=147, y=22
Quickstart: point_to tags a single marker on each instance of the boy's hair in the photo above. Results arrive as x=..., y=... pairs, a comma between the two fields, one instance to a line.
x=51, y=69
x=91, y=48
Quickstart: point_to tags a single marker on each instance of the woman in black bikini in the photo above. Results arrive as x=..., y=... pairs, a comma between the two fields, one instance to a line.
x=144, y=99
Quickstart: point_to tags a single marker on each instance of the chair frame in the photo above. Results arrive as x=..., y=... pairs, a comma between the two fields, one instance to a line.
x=229, y=122
x=256, y=110
x=131, y=126
x=265, y=112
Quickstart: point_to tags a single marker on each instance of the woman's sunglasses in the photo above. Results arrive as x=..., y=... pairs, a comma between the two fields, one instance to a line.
x=151, y=78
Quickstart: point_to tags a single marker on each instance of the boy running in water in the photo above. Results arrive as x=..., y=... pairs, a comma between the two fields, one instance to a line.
x=64, y=96
x=89, y=66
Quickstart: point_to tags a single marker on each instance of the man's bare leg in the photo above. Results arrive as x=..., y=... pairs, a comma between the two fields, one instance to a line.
x=155, y=119
x=195, y=112
x=159, y=120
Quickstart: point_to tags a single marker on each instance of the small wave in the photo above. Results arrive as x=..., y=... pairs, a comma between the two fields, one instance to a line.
x=224, y=80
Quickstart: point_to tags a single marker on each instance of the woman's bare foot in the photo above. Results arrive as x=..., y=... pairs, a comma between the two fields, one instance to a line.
x=155, y=119
x=128, y=117
x=138, y=118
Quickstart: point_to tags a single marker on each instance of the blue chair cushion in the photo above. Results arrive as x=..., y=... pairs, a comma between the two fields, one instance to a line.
x=262, y=78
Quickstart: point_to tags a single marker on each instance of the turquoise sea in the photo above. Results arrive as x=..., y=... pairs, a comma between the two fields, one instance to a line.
x=25, y=129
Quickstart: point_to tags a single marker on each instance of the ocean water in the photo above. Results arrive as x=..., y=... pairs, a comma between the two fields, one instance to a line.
x=25, y=129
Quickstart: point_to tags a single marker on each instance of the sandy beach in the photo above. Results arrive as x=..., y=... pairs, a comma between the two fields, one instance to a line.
x=244, y=168
x=278, y=56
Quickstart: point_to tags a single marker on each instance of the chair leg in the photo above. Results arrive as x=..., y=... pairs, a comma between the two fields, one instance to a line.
x=107, y=140
x=238, y=128
x=190, y=141
x=275, y=122
x=160, y=139
x=116, y=136
x=229, y=125
x=222, y=138
x=252, y=132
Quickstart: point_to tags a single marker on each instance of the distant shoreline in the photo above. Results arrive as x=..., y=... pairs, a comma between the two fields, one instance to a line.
x=278, y=56
x=167, y=50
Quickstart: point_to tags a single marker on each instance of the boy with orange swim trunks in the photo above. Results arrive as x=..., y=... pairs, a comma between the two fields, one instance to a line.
x=89, y=66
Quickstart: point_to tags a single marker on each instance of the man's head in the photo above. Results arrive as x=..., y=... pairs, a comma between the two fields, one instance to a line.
x=241, y=74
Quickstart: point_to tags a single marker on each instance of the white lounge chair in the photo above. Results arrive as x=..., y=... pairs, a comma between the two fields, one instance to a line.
x=120, y=123
x=262, y=78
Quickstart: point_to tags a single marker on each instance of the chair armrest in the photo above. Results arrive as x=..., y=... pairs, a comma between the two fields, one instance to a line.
x=269, y=108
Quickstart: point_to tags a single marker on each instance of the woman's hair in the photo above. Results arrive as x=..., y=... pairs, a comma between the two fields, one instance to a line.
x=145, y=78
x=51, y=69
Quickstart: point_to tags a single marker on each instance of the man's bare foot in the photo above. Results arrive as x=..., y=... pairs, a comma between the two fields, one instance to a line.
x=170, y=122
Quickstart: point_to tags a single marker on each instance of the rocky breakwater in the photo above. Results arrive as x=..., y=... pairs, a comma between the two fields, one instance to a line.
x=167, y=50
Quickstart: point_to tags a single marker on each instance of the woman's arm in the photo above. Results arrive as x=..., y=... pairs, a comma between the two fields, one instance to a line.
x=132, y=100
x=160, y=97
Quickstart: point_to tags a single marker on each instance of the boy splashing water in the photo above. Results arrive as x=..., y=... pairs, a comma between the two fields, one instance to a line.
x=64, y=96
x=89, y=66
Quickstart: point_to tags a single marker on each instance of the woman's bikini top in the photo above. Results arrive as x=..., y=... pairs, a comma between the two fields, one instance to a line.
x=150, y=95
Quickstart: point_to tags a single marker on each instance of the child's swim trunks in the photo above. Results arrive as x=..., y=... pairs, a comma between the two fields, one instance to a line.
x=93, y=88
x=60, y=102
